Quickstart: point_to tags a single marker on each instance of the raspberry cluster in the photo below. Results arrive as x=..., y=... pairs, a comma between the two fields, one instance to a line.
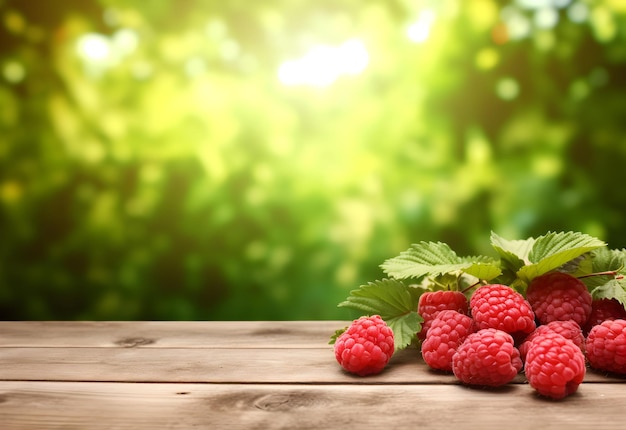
x=550, y=334
x=504, y=332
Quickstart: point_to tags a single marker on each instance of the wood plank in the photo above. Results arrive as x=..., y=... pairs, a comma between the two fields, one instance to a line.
x=264, y=365
x=197, y=365
x=46, y=405
x=168, y=334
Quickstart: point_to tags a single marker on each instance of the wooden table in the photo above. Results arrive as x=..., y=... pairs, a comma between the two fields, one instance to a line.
x=265, y=375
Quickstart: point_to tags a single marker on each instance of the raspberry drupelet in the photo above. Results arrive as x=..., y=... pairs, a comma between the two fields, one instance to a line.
x=366, y=346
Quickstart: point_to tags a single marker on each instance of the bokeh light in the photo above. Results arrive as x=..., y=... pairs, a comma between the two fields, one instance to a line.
x=419, y=31
x=323, y=65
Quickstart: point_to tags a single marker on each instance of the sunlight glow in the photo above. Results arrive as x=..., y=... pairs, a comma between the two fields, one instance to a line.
x=541, y=4
x=14, y=71
x=546, y=17
x=323, y=65
x=419, y=31
x=507, y=89
x=95, y=47
x=578, y=12
x=517, y=23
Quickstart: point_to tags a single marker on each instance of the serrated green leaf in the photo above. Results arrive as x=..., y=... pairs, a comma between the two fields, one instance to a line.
x=554, y=249
x=613, y=289
x=607, y=280
x=436, y=259
x=514, y=253
x=403, y=327
x=579, y=266
x=394, y=302
x=422, y=259
x=482, y=267
x=567, y=245
x=447, y=281
x=336, y=335
x=387, y=298
x=605, y=259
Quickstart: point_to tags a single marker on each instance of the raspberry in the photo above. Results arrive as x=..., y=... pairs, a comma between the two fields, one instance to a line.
x=603, y=310
x=558, y=296
x=606, y=346
x=568, y=329
x=555, y=367
x=501, y=307
x=447, y=331
x=366, y=346
x=432, y=302
x=487, y=357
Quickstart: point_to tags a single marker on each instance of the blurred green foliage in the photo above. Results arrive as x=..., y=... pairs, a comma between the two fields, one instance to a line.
x=154, y=166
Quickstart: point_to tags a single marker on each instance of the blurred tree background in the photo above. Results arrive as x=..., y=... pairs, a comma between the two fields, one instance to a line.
x=236, y=159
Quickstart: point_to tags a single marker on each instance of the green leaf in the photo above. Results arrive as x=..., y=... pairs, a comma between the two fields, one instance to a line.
x=404, y=328
x=579, y=266
x=555, y=249
x=482, y=267
x=421, y=259
x=607, y=260
x=514, y=253
x=336, y=335
x=607, y=280
x=613, y=289
x=435, y=259
x=394, y=302
x=565, y=245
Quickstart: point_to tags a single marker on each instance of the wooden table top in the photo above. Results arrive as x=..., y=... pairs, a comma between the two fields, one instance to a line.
x=265, y=375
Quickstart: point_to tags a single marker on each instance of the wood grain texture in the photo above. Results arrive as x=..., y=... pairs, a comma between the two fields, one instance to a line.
x=304, y=366
x=169, y=334
x=266, y=375
x=50, y=405
x=219, y=352
x=296, y=366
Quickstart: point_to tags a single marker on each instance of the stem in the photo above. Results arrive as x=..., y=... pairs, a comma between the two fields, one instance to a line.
x=607, y=273
x=470, y=287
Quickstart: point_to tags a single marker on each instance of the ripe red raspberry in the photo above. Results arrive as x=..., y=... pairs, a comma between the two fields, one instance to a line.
x=558, y=296
x=365, y=347
x=604, y=310
x=447, y=331
x=606, y=346
x=487, y=357
x=432, y=302
x=501, y=307
x=568, y=329
x=555, y=367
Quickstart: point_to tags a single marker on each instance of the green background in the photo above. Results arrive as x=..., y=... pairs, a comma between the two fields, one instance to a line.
x=167, y=173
